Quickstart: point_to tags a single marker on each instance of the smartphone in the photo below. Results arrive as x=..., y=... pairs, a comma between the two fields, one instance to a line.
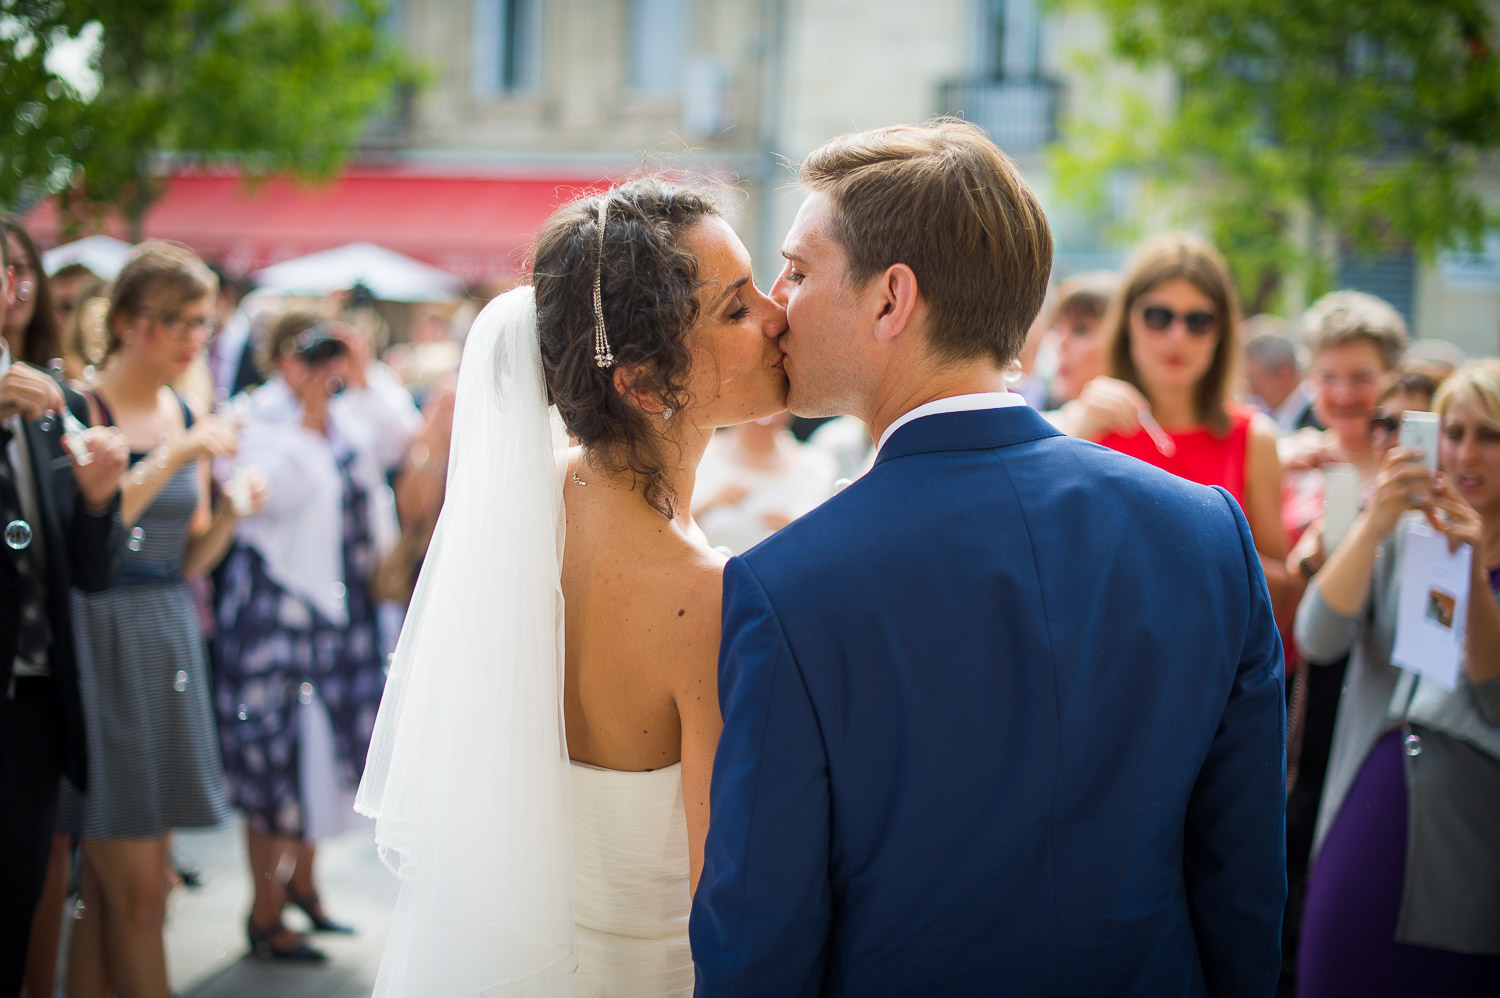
x=1340, y=502
x=1419, y=431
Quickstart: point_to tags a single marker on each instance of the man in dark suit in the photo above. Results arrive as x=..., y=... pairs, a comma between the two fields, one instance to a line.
x=1004, y=716
x=61, y=528
x=1275, y=377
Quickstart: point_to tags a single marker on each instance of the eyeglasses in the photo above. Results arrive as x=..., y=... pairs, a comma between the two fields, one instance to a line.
x=179, y=328
x=1159, y=318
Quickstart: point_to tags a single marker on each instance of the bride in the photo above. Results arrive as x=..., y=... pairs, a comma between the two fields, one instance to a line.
x=540, y=765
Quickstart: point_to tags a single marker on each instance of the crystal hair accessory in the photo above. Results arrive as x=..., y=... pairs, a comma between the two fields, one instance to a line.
x=602, y=354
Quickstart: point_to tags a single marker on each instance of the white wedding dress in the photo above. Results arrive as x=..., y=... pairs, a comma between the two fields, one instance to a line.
x=523, y=875
x=630, y=883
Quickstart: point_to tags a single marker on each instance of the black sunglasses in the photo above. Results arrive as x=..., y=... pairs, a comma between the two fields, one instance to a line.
x=1159, y=318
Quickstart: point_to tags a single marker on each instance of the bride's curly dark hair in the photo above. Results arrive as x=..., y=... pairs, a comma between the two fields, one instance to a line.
x=649, y=284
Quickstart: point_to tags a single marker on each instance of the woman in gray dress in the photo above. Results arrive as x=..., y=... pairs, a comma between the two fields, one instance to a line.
x=153, y=761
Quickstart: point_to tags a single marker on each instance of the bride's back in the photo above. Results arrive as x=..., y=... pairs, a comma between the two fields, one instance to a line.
x=616, y=293
x=642, y=625
x=646, y=315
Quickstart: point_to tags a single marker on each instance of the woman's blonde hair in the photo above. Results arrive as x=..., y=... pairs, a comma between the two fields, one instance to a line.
x=1477, y=383
x=1164, y=258
x=168, y=272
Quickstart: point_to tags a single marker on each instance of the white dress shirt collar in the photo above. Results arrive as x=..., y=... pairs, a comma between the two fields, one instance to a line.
x=1290, y=410
x=954, y=403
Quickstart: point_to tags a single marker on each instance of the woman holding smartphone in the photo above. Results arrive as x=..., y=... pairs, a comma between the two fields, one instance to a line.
x=297, y=644
x=1405, y=884
x=1354, y=343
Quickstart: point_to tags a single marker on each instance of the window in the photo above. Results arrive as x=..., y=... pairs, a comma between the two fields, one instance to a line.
x=1008, y=95
x=507, y=46
x=657, y=35
x=1392, y=276
x=1010, y=39
x=393, y=22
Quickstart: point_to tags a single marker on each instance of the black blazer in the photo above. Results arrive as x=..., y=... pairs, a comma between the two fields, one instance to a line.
x=81, y=549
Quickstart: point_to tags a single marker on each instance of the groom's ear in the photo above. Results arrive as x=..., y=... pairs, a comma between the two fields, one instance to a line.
x=896, y=295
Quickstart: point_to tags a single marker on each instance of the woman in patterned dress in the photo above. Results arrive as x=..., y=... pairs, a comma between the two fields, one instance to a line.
x=152, y=758
x=298, y=650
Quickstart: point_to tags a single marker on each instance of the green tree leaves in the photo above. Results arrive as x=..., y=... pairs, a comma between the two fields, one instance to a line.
x=1300, y=127
x=264, y=86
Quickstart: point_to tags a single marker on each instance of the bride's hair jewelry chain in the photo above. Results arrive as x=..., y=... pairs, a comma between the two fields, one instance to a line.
x=602, y=354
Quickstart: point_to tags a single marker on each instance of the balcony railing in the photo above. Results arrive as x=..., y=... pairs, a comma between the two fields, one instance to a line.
x=1019, y=115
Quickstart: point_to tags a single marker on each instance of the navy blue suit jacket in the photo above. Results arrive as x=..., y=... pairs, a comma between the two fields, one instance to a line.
x=1005, y=716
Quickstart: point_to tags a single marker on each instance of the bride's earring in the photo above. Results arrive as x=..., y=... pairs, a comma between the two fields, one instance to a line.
x=666, y=413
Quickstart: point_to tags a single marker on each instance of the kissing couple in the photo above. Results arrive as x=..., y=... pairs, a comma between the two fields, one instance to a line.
x=1004, y=716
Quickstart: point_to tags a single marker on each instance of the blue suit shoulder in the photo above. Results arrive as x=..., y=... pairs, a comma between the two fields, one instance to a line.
x=1055, y=476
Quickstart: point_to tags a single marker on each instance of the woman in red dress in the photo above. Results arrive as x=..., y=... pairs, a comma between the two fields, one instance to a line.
x=1172, y=336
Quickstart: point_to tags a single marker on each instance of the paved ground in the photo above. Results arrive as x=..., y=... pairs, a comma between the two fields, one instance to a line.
x=206, y=948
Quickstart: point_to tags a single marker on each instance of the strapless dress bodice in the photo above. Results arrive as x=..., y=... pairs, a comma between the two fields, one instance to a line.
x=630, y=871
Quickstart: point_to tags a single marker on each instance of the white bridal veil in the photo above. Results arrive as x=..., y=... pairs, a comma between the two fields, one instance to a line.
x=468, y=769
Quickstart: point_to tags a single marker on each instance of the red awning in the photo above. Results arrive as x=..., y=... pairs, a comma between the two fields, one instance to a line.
x=470, y=225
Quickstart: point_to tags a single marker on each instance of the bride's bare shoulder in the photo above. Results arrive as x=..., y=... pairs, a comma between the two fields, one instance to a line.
x=690, y=617
x=686, y=578
x=675, y=592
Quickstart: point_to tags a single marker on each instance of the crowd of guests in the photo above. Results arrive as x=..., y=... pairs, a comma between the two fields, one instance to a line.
x=226, y=630
x=234, y=599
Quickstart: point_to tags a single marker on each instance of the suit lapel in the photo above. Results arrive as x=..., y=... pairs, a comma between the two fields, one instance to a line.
x=45, y=448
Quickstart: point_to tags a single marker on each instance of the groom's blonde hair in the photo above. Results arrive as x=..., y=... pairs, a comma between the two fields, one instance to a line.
x=944, y=200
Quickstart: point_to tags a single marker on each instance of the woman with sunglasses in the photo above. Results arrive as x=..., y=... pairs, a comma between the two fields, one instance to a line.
x=1404, y=893
x=153, y=764
x=1171, y=336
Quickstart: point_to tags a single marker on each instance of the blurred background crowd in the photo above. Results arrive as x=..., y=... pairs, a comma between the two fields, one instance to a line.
x=1258, y=273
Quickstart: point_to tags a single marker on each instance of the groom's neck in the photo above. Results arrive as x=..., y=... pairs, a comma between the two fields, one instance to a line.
x=900, y=393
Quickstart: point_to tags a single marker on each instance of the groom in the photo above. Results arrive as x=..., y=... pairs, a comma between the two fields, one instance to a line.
x=1005, y=716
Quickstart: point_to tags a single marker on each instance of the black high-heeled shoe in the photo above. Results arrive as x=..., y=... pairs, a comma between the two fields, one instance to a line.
x=262, y=947
x=188, y=872
x=312, y=907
